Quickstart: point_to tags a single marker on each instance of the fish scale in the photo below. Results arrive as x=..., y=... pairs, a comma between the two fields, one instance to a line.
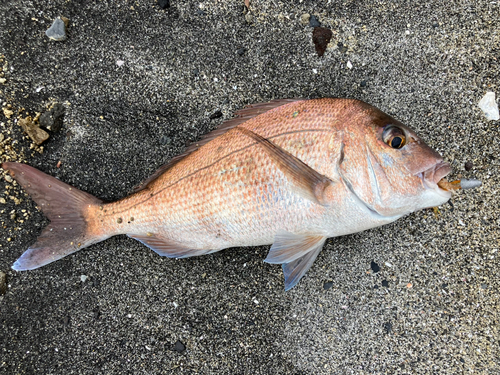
x=290, y=173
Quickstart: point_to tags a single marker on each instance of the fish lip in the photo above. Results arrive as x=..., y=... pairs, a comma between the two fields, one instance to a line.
x=431, y=176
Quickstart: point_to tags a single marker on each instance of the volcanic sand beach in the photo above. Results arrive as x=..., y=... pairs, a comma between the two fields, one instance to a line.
x=139, y=83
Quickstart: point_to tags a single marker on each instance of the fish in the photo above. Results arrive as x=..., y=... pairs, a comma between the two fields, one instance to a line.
x=289, y=173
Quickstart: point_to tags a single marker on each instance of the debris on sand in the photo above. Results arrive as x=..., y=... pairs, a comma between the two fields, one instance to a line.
x=321, y=38
x=53, y=119
x=489, y=106
x=57, y=31
x=36, y=134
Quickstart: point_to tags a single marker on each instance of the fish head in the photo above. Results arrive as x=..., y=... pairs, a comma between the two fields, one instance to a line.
x=388, y=166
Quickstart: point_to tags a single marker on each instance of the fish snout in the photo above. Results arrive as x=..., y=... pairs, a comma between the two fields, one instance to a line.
x=430, y=177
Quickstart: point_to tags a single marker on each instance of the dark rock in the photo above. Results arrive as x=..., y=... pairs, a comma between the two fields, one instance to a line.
x=314, y=22
x=215, y=115
x=164, y=4
x=468, y=166
x=375, y=267
x=327, y=285
x=363, y=84
x=321, y=38
x=200, y=12
x=53, y=119
x=385, y=283
x=241, y=51
x=3, y=283
x=388, y=327
x=179, y=347
x=342, y=48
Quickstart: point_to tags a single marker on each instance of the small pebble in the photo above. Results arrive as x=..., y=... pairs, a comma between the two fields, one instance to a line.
x=83, y=278
x=215, y=115
x=179, y=347
x=349, y=64
x=165, y=140
x=57, y=31
x=164, y=4
x=249, y=17
x=375, y=267
x=314, y=22
x=468, y=166
x=304, y=19
x=489, y=106
x=388, y=327
x=36, y=134
x=363, y=84
x=342, y=48
x=241, y=51
x=53, y=119
x=327, y=285
x=3, y=283
x=385, y=283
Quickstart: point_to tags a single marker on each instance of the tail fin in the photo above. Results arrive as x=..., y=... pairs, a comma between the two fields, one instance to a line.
x=64, y=206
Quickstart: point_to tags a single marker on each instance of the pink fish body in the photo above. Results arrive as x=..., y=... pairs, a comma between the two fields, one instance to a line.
x=287, y=173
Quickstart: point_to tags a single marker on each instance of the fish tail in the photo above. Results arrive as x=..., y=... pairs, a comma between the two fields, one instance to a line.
x=67, y=209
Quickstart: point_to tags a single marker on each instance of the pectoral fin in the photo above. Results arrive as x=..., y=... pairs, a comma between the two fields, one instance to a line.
x=307, y=182
x=297, y=252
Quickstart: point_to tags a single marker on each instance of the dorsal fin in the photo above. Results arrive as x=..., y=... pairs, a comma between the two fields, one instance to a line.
x=242, y=116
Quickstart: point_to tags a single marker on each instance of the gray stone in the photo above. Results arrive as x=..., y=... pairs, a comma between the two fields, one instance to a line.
x=57, y=31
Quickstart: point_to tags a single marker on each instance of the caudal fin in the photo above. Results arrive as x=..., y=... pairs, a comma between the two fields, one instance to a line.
x=64, y=206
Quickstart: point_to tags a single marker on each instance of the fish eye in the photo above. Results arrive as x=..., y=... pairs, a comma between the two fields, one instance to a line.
x=394, y=136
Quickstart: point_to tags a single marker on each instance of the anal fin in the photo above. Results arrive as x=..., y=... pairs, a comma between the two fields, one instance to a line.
x=167, y=247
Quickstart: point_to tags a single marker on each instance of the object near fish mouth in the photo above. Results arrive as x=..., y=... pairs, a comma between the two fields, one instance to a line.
x=463, y=184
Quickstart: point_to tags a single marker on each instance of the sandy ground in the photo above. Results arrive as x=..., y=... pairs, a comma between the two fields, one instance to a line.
x=433, y=307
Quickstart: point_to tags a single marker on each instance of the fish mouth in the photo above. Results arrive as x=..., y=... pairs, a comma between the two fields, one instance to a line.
x=432, y=177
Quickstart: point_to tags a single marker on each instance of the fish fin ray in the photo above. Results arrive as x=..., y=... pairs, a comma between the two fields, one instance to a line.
x=288, y=247
x=294, y=270
x=242, y=116
x=254, y=110
x=167, y=247
x=64, y=206
x=307, y=182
